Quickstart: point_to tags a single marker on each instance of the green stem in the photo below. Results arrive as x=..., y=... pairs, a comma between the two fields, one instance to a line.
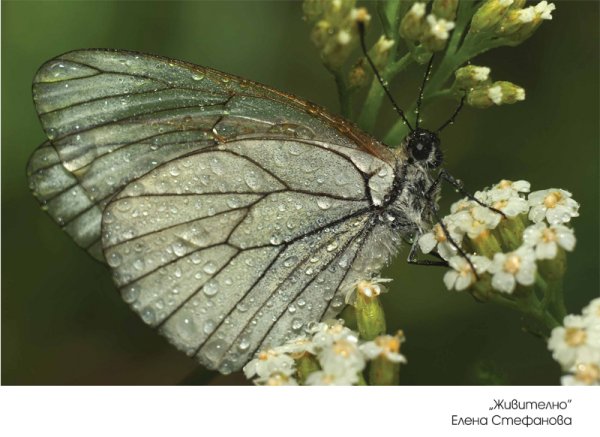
x=368, y=115
x=343, y=93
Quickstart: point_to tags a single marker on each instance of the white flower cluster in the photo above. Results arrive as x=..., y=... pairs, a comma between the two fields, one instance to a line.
x=576, y=346
x=546, y=212
x=340, y=354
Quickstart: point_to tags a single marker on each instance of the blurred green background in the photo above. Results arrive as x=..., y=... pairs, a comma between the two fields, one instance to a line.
x=64, y=323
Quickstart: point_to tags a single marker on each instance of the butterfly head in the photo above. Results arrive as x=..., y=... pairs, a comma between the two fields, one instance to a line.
x=423, y=146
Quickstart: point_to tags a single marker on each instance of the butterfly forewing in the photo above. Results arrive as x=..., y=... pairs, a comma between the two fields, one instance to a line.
x=232, y=214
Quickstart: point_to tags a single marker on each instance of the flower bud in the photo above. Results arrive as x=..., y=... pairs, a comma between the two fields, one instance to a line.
x=445, y=9
x=511, y=93
x=413, y=26
x=498, y=93
x=370, y=317
x=489, y=15
x=520, y=24
x=381, y=51
x=471, y=76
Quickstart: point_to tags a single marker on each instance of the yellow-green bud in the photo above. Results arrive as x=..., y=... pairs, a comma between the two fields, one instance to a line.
x=489, y=15
x=413, y=26
x=381, y=51
x=445, y=9
x=511, y=93
x=370, y=317
x=498, y=93
x=520, y=24
x=471, y=76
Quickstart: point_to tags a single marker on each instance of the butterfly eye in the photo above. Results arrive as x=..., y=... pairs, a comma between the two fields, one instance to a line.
x=423, y=146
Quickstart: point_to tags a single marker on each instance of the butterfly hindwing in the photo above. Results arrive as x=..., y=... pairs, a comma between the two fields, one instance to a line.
x=229, y=249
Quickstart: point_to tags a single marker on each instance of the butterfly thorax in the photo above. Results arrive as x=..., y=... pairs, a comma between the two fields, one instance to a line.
x=416, y=159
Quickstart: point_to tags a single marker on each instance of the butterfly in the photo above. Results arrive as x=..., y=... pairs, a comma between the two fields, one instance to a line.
x=231, y=215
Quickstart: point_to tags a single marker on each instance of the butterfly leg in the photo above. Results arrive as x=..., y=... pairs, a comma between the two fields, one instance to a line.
x=458, y=185
x=443, y=175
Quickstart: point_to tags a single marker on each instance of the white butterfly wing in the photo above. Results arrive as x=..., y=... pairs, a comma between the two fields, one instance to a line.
x=232, y=214
x=239, y=246
x=112, y=116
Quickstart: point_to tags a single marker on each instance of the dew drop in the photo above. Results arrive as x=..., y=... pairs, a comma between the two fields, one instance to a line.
x=179, y=249
x=337, y=302
x=210, y=267
x=211, y=287
x=208, y=327
x=139, y=264
x=324, y=203
x=148, y=315
x=130, y=294
x=244, y=344
x=289, y=262
x=114, y=259
x=251, y=180
x=212, y=350
x=297, y=324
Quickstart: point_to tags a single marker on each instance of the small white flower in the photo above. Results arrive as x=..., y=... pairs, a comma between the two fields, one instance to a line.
x=268, y=363
x=578, y=341
x=461, y=276
x=583, y=374
x=276, y=379
x=544, y=10
x=475, y=220
x=508, y=201
x=344, y=37
x=322, y=377
x=520, y=186
x=437, y=239
x=495, y=94
x=325, y=334
x=508, y=269
x=417, y=10
x=526, y=15
x=520, y=94
x=546, y=240
x=387, y=346
x=592, y=310
x=554, y=205
x=439, y=28
x=342, y=356
x=481, y=74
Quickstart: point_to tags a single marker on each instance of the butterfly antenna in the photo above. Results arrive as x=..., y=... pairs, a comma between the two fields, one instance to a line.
x=361, y=32
x=422, y=90
x=451, y=119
